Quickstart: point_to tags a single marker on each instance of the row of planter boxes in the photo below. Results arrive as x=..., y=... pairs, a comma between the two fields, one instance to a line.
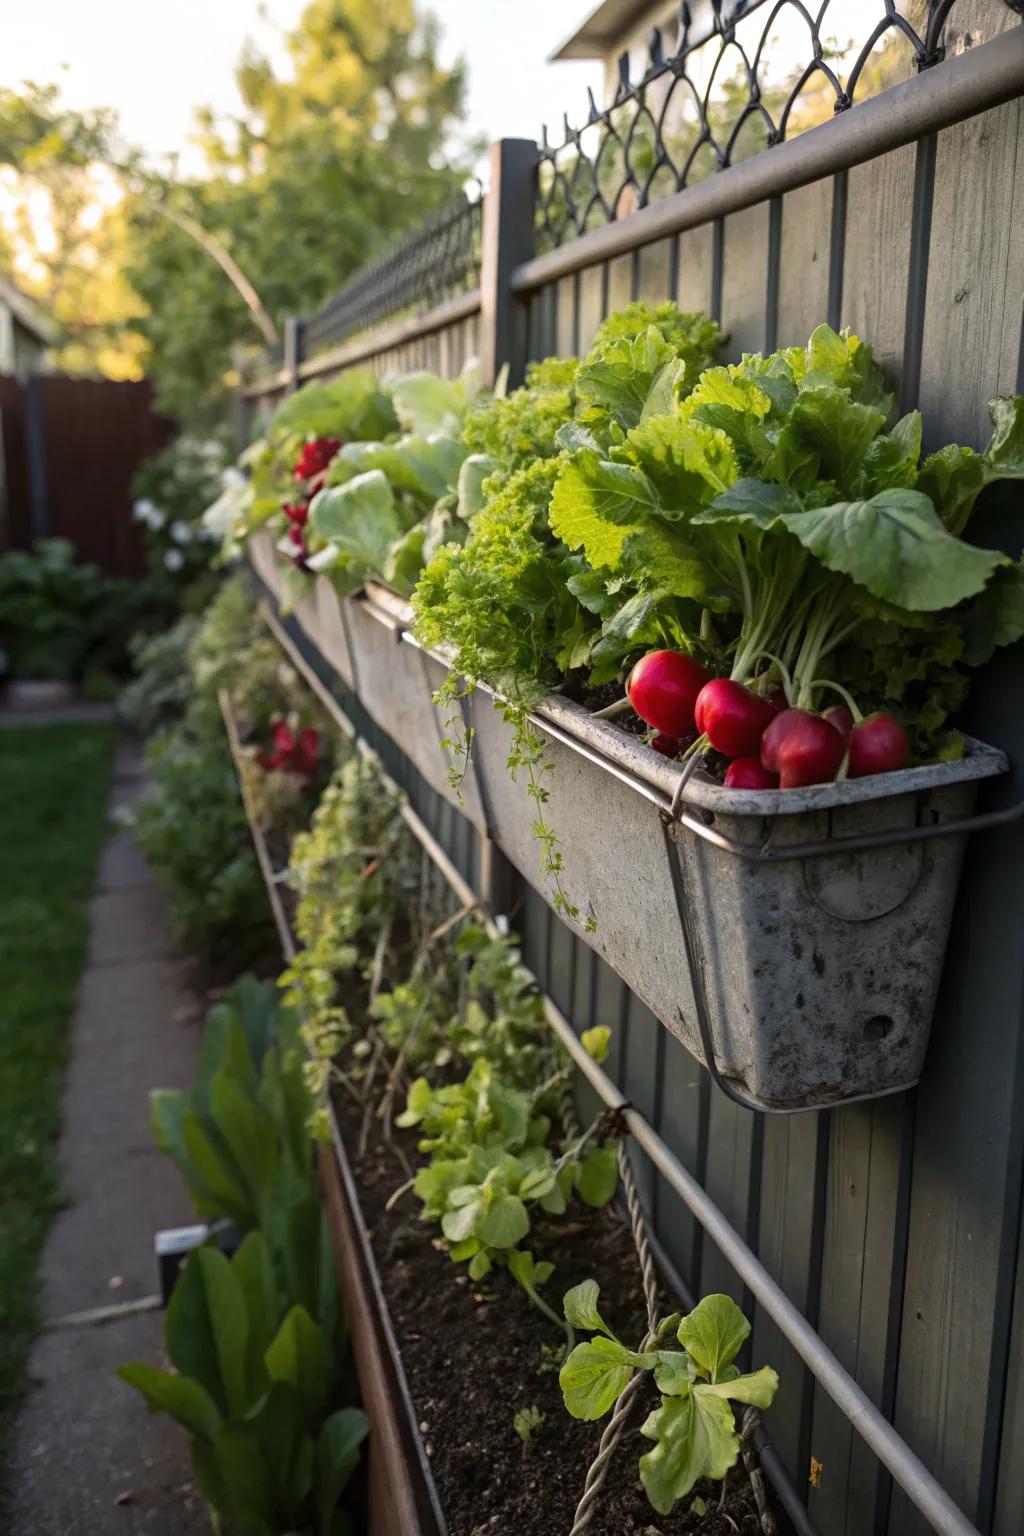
x=809, y=977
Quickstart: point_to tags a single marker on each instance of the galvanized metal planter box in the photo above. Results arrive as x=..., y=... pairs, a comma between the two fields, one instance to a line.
x=396, y=681
x=803, y=979
x=326, y=622
x=265, y=562
x=819, y=974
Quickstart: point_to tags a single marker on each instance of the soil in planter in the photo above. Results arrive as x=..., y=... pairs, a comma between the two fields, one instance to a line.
x=477, y=1354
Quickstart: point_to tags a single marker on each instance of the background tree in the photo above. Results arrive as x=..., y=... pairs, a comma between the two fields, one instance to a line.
x=63, y=231
x=324, y=167
x=326, y=164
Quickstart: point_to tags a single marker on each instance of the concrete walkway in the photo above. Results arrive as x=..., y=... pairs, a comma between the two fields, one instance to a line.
x=88, y=1459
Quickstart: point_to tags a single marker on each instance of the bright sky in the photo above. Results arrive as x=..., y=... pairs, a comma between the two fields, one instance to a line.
x=154, y=60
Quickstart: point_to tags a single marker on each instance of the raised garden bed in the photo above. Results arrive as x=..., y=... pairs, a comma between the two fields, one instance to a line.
x=460, y=1451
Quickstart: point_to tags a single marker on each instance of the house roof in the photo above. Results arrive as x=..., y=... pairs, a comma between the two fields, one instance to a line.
x=27, y=313
x=613, y=20
x=602, y=29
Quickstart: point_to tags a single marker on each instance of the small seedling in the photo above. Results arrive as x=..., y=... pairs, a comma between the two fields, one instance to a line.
x=527, y=1422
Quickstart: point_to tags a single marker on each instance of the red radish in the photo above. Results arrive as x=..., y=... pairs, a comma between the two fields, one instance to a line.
x=878, y=744
x=663, y=688
x=293, y=753
x=668, y=746
x=802, y=748
x=748, y=773
x=842, y=718
x=732, y=717
x=315, y=457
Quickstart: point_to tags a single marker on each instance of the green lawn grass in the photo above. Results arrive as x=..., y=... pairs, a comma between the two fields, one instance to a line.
x=54, y=781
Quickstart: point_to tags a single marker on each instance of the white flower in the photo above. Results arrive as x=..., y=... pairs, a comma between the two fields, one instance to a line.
x=181, y=532
x=156, y=519
x=232, y=479
x=143, y=510
x=174, y=559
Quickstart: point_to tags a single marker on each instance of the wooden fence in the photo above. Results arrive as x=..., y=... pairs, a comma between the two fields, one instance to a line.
x=70, y=449
x=895, y=1226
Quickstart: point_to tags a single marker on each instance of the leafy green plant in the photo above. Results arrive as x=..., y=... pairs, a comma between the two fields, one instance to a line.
x=694, y=1428
x=527, y=1421
x=158, y=694
x=388, y=506
x=239, y=1134
x=254, y=1385
x=61, y=618
x=780, y=525
x=258, y=1342
x=511, y=605
x=190, y=822
x=504, y=603
x=490, y=1160
x=350, y=408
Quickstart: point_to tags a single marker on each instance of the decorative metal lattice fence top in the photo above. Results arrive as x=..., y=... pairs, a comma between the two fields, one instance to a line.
x=739, y=77
x=437, y=262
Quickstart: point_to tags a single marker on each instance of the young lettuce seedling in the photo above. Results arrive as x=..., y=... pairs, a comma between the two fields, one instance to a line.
x=694, y=1428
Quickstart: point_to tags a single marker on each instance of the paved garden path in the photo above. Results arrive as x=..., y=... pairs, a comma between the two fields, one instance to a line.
x=88, y=1459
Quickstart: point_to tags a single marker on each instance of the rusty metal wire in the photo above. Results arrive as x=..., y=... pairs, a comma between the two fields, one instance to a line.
x=588, y=1505
x=725, y=88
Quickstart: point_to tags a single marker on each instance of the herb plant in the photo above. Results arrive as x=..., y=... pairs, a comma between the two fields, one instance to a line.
x=352, y=873
x=694, y=1427
x=514, y=606
x=491, y=1160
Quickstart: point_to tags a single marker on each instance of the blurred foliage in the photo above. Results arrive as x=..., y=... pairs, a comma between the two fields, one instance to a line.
x=172, y=491
x=63, y=619
x=64, y=230
x=327, y=163
x=190, y=822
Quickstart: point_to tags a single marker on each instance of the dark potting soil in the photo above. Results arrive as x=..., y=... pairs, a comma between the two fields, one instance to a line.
x=477, y=1354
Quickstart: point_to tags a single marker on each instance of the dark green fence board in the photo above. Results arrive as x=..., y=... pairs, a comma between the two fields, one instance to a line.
x=694, y=269
x=975, y=274
x=794, y=1159
x=565, y=334
x=745, y=279
x=639, y=1079
x=591, y=305
x=877, y=254
x=733, y=1136
x=619, y=290
x=803, y=263
x=654, y=275
x=860, y=1251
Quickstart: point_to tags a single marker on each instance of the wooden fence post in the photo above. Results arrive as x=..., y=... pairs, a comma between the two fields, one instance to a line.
x=507, y=241
x=293, y=337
